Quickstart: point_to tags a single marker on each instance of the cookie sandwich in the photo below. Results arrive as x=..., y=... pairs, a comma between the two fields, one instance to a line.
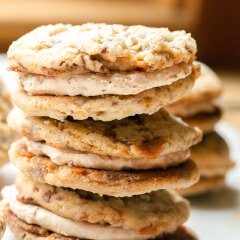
x=199, y=108
x=99, y=155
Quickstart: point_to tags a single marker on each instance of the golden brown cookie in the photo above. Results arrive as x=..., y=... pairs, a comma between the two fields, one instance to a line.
x=212, y=156
x=204, y=185
x=141, y=136
x=66, y=49
x=206, y=121
x=24, y=231
x=207, y=88
x=145, y=214
x=104, y=108
x=105, y=162
x=112, y=183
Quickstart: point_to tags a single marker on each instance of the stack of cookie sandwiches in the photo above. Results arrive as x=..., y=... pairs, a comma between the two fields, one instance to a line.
x=199, y=108
x=7, y=136
x=99, y=155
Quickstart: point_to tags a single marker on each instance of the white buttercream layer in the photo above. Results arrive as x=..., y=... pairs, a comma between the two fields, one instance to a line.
x=90, y=84
x=32, y=214
x=90, y=160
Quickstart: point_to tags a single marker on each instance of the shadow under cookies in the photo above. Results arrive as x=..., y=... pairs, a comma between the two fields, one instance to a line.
x=225, y=198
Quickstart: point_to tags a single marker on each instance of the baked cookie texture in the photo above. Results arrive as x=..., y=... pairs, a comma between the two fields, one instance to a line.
x=7, y=136
x=141, y=136
x=111, y=183
x=203, y=186
x=208, y=87
x=212, y=156
x=206, y=121
x=62, y=200
x=147, y=213
x=26, y=231
x=90, y=160
x=198, y=107
x=66, y=49
x=105, y=107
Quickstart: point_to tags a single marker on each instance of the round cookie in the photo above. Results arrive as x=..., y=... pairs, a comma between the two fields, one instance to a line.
x=24, y=231
x=203, y=186
x=207, y=88
x=145, y=214
x=190, y=109
x=66, y=49
x=111, y=183
x=212, y=156
x=104, y=107
x=206, y=121
x=34, y=214
x=141, y=136
x=197, y=107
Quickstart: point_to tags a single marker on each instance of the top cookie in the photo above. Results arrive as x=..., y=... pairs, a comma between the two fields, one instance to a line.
x=66, y=49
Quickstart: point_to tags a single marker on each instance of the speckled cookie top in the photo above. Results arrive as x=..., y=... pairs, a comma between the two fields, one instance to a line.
x=67, y=49
x=141, y=136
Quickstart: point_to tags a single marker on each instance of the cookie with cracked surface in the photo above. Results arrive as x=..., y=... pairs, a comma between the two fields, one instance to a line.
x=203, y=186
x=145, y=214
x=25, y=231
x=105, y=107
x=141, y=136
x=111, y=183
x=67, y=49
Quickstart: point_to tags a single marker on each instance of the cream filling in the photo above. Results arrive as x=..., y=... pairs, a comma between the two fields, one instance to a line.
x=89, y=84
x=90, y=160
x=48, y=220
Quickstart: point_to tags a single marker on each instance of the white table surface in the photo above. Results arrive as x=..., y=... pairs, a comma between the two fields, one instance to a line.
x=213, y=217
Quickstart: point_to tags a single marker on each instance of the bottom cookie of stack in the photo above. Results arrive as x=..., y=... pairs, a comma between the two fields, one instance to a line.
x=42, y=211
